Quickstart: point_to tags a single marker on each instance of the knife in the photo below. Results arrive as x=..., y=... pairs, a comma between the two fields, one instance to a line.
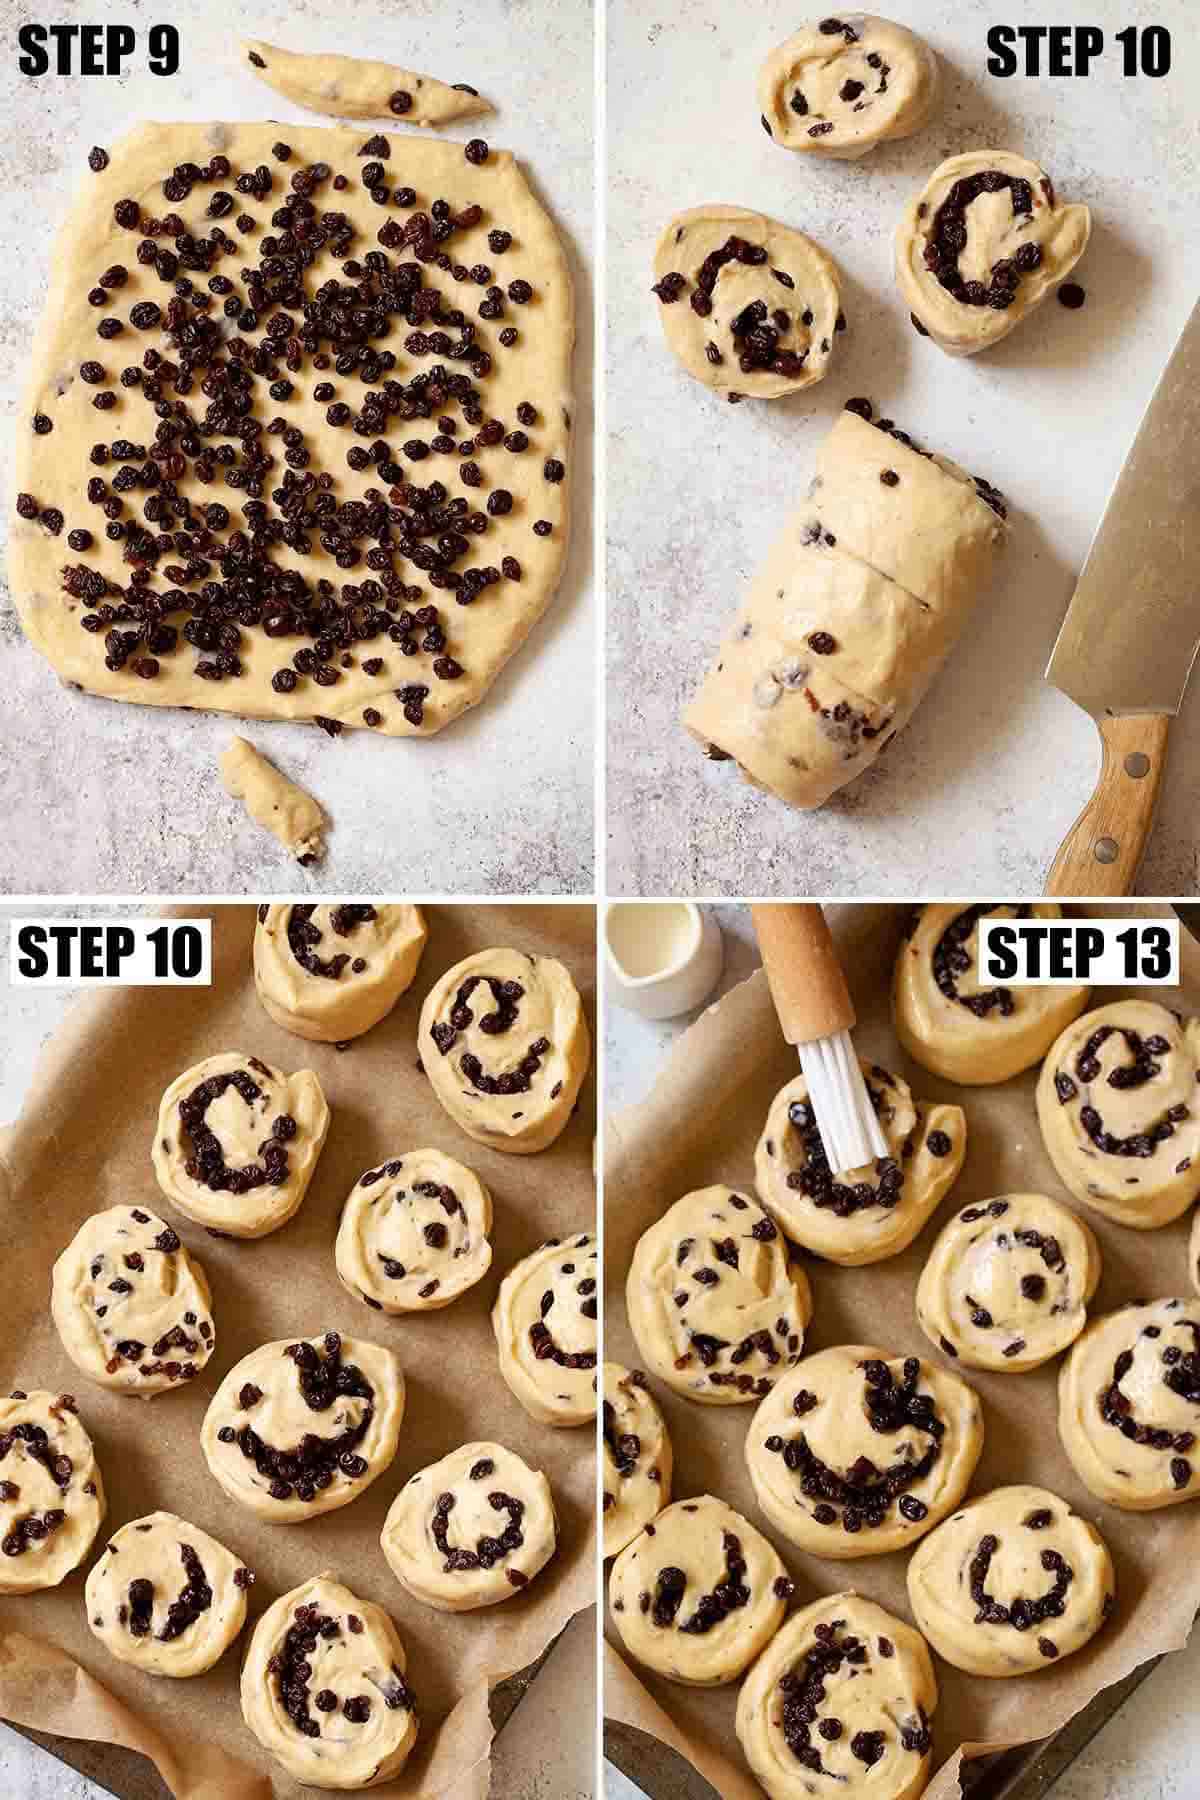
x=1132, y=630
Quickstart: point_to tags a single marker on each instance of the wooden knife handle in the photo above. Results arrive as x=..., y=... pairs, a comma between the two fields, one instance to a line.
x=1103, y=850
x=805, y=976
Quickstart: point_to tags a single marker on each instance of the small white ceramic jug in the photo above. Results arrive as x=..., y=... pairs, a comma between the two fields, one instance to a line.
x=662, y=957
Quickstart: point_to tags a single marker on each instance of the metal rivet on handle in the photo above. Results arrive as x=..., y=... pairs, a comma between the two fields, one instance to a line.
x=1137, y=764
x=1106, y=850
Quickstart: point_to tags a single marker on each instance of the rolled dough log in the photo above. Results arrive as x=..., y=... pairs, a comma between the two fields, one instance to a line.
x=853, y=613
x=351, y=87
x=274, y=802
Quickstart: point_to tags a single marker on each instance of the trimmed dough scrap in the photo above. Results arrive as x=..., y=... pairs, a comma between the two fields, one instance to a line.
x=351, y=87
x=748, y=306
x=545, y=1324
x=851, y=616
x=1011, y=1583
x=166, y=1596
x=856, y=1453
x=685, y=1566
x=1129, y=1404
x=287, y=811
x=330, y=972
x=982, y=245
x=237, y=1142
x=862, y=1215
x=1120, y=1115
x=302, y=1427
x=131, y=1305
x=323, y=1687
x=471, y=1530
x=717, y=1306
x=51, y=1495
x=465, y=438
x=955, y=1025
x=638, y=1460
x=1008, y=1282
x=414, y=1233
x=505, y=1044
x=869, y=1682
x=841, y=87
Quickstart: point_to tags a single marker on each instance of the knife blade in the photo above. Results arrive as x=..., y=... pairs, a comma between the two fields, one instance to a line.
x=1131, y=633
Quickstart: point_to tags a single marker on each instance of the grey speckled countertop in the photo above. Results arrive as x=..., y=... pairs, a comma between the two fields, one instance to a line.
x=979, y=790
x=100, y=797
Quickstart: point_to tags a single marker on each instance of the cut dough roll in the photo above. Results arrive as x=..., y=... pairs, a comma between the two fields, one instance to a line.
x=470, y=1530
x=856, y=1453
x=1129, y=1405
x=862, y=1215
x=749, y=306
x=166, y=1596
x=1120, y=1116
x=841, y=87
x=1011, y=1583
x=956, y=1025
x=132, y=1307
x=696, y=1595
x=852, y=615
x=982, y=245
x=1008, y=1282
x=323, y=1687
x=845, y=1691
x=545, y=1325
x=505, y=1045
x=717, y=1306
x=414, y=1233
x=331, y=972
x=51, y=1495
x=237, y=1142
x=302, y=1427
x=352, y=87
x=638, y=1461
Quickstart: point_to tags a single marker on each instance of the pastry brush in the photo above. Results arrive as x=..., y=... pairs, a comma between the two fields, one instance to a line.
x=816, y=1014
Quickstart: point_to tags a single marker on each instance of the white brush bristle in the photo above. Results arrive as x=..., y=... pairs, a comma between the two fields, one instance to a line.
x=841, y=1105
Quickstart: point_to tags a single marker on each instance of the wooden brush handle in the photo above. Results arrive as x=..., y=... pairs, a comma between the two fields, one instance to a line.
x=805, y=976
x=1101, y=852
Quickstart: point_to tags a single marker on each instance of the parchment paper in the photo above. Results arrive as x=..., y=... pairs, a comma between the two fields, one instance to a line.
x=700, y=1124
x=82, y=1144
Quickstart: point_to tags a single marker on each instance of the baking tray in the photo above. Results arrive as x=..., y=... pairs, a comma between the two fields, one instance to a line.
x=1027, y=1772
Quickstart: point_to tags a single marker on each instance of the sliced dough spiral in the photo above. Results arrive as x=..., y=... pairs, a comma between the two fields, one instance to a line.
x=1129, y=1405
x=855, y=1453
x=166, y=1596
x=841, y=87
x=637, y=1454
x=324, y=1690
x=748, y=306
x=1008, y=1282
x=237, y=1142
x=51, y=1495
x=506, y=1046
x=330, y=973
x=862, y=1215
x=844, y=1692
x=1011, y=1583
x=301, y=1427
x=698, y=1593
x=983, y=244
x=132, y=1307
x=851, y=616
x=545, y=1325
x=1119, y=1110
x=958, y=1026
x=718, y=1309
x=470, y=1530
x=414, y=1233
